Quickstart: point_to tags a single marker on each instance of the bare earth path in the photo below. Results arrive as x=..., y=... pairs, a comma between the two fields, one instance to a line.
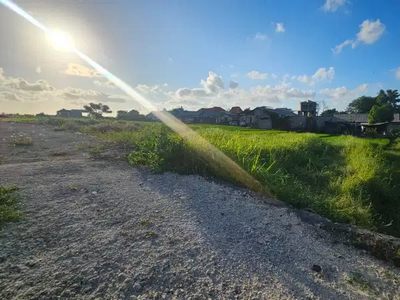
x=101, y=229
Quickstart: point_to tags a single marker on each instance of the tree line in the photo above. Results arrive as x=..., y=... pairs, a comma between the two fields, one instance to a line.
x=380, y=108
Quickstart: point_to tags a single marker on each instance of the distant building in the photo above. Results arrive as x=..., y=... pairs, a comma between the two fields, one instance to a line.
x=256, y=118
x=353, y=118
x=361, y=120
x=308, y=108
x=72, y=113
x=236, y=110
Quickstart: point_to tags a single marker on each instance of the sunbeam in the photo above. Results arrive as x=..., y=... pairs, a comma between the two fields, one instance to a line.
x=211, y=154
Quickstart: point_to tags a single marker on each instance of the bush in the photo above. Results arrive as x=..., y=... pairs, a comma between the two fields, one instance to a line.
x=8, y=205
x=71, y=125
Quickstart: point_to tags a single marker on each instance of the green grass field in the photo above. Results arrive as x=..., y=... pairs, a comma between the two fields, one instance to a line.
x=345, y=178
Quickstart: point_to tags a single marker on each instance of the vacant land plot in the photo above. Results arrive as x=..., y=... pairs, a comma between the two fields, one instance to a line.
x=347, y=179
x=100, y=229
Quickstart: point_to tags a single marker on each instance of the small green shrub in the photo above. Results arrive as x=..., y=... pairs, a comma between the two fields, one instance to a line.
x=8, y=205
x=71, y=125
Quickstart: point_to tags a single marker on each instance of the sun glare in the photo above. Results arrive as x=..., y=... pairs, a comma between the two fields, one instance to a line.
x=61, y=40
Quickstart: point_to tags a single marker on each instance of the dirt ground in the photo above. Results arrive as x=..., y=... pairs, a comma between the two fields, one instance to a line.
x=102, y=229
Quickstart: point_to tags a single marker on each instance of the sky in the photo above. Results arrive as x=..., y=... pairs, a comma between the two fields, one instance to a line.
x=200, y=53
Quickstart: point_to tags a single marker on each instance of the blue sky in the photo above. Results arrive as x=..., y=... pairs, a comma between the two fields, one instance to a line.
x=201, y=53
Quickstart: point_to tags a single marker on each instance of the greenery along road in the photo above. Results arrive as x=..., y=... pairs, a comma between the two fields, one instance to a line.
x=347, y=179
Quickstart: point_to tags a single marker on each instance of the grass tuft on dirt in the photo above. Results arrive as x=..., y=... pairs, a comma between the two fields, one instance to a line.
x=8, y=205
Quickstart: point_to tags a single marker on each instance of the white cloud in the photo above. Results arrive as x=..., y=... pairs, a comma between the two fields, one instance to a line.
x=75, y=69
x=338, y=49
x=257, y=75
x=106, y=84
x=398, y=73
x=322, y=74
x=333, y=5
x=235, y=74
x=233, y=84
x=370, y=32
x=213, y=83
x=342, y=95
x=84, y=96
x=19, y=89
x=273, y=76
x=280, y=28
x=9, y=96
x=147, y=89
x=260, y=36
x=38, y=69
x=195, y=98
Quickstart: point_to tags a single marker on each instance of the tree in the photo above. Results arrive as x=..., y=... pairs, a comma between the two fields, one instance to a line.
x=329, y=112
x=380, y=113
x=322, y=106
x=96, y=110
x=390, y=97
x=361, y=105
x=132, y=115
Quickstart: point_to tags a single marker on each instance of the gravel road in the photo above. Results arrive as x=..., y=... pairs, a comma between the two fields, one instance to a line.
x=102, y=229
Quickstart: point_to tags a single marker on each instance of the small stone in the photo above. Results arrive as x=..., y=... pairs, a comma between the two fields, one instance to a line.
x=316, y=268
x=30, y=263
x=94, y=193
x=137, y=287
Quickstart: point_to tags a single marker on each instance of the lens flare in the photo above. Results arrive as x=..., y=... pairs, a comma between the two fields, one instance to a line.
x=221, y=163
x=61, y=40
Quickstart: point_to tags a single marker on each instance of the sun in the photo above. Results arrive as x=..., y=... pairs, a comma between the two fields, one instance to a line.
x=61, y=40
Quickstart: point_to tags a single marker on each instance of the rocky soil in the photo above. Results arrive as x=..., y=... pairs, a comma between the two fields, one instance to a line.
x=102, y=229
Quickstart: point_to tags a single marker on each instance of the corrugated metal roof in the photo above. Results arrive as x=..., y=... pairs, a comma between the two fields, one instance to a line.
x=353, y=118
x=361, y=118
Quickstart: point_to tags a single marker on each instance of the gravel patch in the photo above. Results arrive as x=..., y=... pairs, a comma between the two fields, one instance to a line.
x=100, y=229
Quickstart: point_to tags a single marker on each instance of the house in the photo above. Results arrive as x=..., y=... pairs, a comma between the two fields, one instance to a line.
x=152, y=116
x=235, y=115
x=212, y=109
x=236, y=110
x=213, y=117
x=282, y=112
x=71, y=113
x=185, y=116
x=256, y=118
x=353, y=118
x=383, y=127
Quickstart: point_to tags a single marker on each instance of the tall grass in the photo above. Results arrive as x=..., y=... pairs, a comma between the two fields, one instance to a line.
x=346, y=179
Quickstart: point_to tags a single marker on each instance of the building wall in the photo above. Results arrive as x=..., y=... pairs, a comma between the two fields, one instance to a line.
x=265, y=123
x=75, y=114
x=392, y=126
x=63, y=114
x=298, y=122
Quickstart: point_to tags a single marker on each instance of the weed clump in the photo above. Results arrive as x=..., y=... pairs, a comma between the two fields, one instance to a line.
x=21, y=139
x=8, y=205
